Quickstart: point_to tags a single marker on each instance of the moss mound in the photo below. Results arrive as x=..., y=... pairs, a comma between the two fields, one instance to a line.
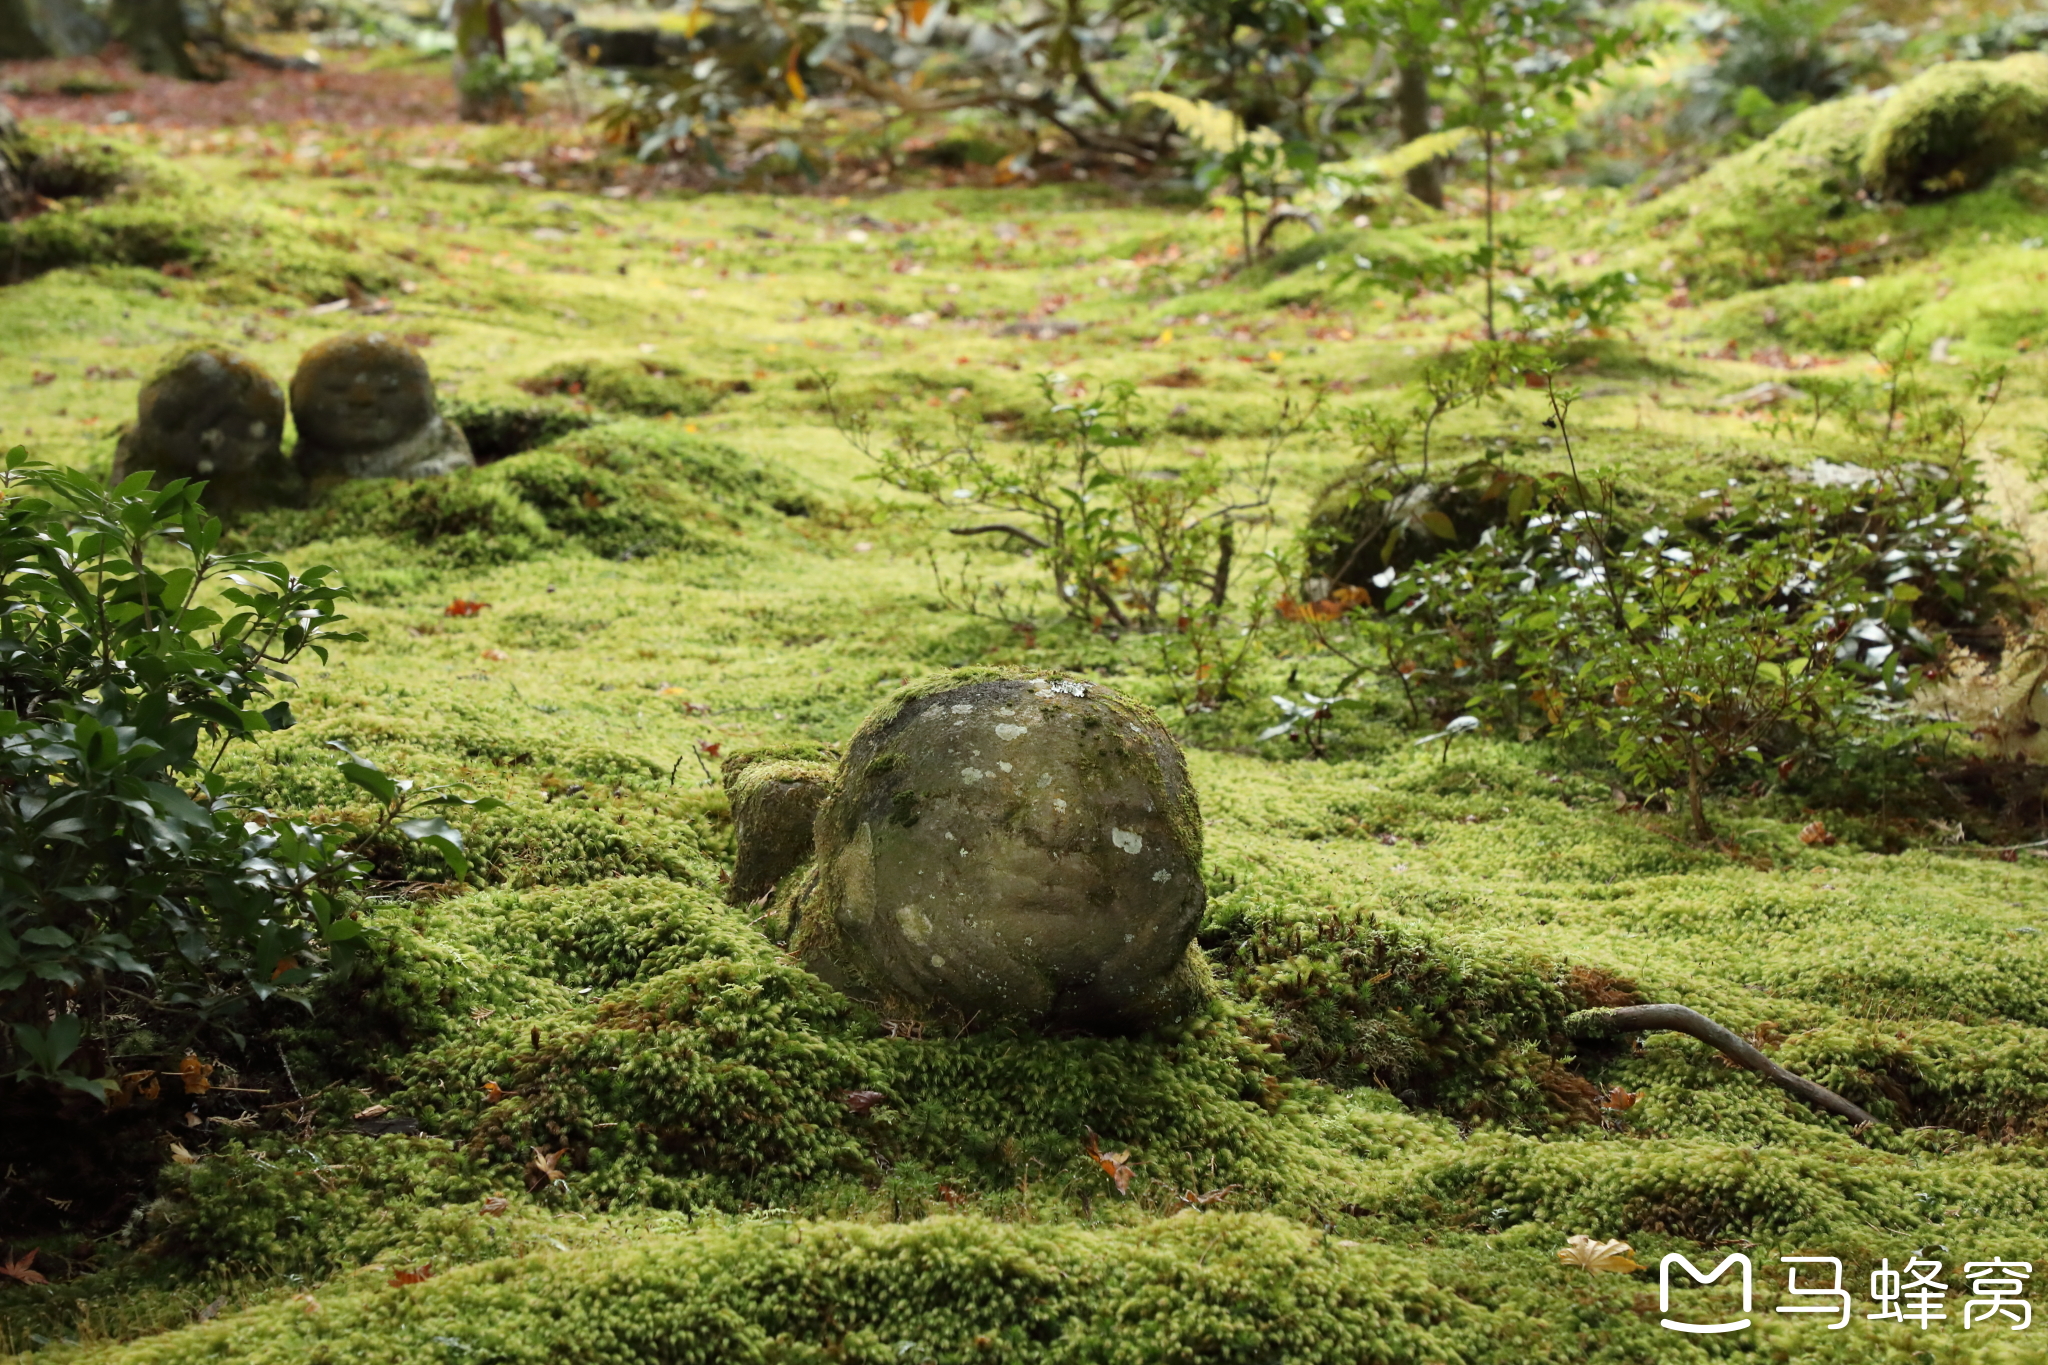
x=495, y=430
x=1227, y=1288
x=621, y=490
x=1955, y=126
x=649, y=387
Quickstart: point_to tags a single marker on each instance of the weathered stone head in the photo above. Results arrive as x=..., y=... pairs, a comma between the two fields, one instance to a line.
x=1009, y=847
x=211, y=414
x=365, y=409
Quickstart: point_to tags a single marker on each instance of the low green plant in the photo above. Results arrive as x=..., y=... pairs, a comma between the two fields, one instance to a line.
x=1129, y=549
x=142, y=904
x=1771, y=627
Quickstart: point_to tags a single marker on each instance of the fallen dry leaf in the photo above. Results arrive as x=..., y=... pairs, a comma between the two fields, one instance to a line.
x=860, y=1101
x=197, y=1075
x=404, y=1277
x=1597, y=1257
x=1190, y=1199
x=181, y=1156
x=543, y=1171
x=493, y=1092
x=18, y=1269
x=1618, y=1098
x=1115, y=1165
x=375, y=1111
x=496, y=1204
x=462, y=606
x=496, y=655
x=1816, y=835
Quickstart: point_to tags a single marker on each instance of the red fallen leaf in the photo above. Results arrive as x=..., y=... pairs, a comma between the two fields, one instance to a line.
x=493, y=1092
x=178, y=270
x=462, y=606
x=42, y=377
x=18, y=1269
x=1618, y=1098
x=1115, y=1165
x=496, y=656
x=707, y=749
x=954, y=1199
x=420, y=1276
x=1814, y=834
x=197, y=1075
x=860, y=1101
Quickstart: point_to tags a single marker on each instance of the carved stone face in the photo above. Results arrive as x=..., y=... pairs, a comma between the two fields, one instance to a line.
x=208, y=414
x=360, y=393
x=1017, y=848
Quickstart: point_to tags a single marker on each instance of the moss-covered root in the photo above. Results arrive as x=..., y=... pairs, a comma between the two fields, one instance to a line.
x=1680, y=1019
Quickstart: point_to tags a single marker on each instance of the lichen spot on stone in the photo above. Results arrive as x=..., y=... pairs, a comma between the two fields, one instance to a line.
x=915, y=924
x=1126, y=840
x=1162, y=875
x=972, y=774
x=1004, y=766
x=1010, y=732
x=961, y=708
x=938, y=962
x=1044, y=781
x=1059, y=803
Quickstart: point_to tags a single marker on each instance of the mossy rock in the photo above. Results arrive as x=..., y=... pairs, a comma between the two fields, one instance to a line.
x=775, y=798
x=1956, y=125
x=365, y=408
x=1000, y=845
x=210, y=414
x=648, y=388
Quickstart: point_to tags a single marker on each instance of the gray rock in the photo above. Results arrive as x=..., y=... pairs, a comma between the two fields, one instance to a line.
x=365, y=409
x=1000, y=846
x=212, y=414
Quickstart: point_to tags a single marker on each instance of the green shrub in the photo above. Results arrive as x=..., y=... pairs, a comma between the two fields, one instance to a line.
x=142, y=905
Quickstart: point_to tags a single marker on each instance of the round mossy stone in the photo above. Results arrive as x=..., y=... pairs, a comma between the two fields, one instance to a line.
x=365, y=409
x=211, y=414
x=1010, y=847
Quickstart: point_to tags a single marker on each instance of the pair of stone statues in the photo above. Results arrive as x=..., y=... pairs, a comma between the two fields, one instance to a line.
x=364, y=406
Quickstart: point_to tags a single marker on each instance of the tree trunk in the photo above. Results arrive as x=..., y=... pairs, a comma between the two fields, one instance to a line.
x=30, y=29
x=13, y=181
x=1411, y=100
x=1695, y=788
x=159, y=41
x=484, y=94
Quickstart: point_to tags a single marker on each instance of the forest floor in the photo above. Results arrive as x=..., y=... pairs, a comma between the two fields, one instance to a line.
x=719, y=1201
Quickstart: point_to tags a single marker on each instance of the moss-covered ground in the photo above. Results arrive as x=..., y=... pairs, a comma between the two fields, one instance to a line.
x=753, y=1169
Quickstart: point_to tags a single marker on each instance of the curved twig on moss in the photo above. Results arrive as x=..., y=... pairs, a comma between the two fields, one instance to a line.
x=1680, y=1019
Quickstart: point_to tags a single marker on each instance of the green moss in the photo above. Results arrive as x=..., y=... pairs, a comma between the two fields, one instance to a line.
x=649, y=388
x=934, y=1189
x=1956, y=125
